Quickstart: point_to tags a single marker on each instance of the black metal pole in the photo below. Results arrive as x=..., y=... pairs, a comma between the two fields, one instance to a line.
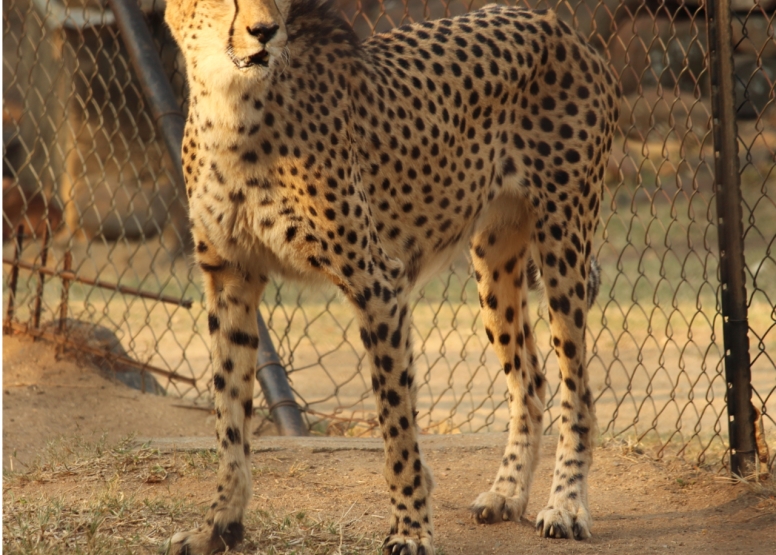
x=170, y=123
x=153, y=79
x=165, y=109
x=731, y=242
x=274, y=383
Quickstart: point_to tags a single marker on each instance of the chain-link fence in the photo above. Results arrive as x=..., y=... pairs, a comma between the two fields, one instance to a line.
x=82, y=158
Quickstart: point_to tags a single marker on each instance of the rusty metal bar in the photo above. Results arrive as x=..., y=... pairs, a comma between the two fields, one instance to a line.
x=41, y=279
x=68, y=263
x=731, y=242
x=71, y=276
x=14, y=272
x=170, y=123
x=61, y=340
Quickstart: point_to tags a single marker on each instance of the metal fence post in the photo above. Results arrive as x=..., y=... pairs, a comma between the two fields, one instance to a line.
x=274, y=383
x=170, y=123
x=731, y=242
x=168, y=118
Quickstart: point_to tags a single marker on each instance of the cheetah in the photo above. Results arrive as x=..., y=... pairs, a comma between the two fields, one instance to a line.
x=310, y=155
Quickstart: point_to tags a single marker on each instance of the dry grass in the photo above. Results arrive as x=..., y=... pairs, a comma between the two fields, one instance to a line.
x=92, y=499
x=762, y=484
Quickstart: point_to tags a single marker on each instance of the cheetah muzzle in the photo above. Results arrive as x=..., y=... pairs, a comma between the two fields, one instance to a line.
x=370, y=165
x=258, y=59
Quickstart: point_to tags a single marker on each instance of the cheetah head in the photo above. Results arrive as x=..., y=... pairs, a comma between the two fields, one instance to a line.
x=229, y=41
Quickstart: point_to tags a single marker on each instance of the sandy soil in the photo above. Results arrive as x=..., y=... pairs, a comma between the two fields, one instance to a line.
x=639, y=505
x=46, y=397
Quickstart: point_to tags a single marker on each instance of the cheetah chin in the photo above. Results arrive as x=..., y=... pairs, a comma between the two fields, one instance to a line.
x=310, y=155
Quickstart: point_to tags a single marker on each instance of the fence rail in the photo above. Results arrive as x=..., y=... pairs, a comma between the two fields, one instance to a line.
x=83, y=159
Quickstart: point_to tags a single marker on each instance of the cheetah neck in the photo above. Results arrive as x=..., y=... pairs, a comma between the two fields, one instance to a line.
x=249, y=130
x=225, y=119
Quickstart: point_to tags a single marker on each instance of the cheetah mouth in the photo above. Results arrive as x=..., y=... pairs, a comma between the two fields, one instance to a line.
x=259, y=59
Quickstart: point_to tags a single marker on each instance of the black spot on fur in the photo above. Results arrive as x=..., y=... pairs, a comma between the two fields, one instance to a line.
x=393, y=398
x=244, y=339
x=569, y=349
x=212, y=323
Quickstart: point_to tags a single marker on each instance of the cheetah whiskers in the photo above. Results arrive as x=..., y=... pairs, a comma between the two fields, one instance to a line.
x=284, y=60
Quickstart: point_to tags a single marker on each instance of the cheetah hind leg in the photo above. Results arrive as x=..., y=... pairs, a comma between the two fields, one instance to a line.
x=566, y=514
x=508, y=498
x=500, y=259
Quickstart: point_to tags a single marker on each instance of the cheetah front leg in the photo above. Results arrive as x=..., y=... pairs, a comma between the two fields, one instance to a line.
x=385, y=330
x=232, y=296
x=499, y=257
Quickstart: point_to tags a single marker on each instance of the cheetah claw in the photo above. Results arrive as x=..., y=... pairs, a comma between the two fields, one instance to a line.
x=561, y=524
x=491, y=507
x=203, y=542
x=402, y=545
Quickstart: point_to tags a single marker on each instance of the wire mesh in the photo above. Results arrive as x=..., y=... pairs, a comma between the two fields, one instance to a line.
x=81, y=156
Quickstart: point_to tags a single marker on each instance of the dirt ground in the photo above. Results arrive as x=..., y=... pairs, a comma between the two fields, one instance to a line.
x=327, y=494
x=46, y=397
x=638, y=505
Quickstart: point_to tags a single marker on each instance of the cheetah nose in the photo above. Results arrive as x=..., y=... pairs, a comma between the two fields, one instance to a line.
x=263, y=32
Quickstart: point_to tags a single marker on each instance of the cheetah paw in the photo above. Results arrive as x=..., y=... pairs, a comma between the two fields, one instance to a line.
x=562, y=523
x=490, y=507
x=402, y=545
x=204, y=542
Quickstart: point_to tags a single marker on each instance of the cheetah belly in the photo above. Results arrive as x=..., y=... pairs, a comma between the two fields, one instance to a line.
x=508, y=209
